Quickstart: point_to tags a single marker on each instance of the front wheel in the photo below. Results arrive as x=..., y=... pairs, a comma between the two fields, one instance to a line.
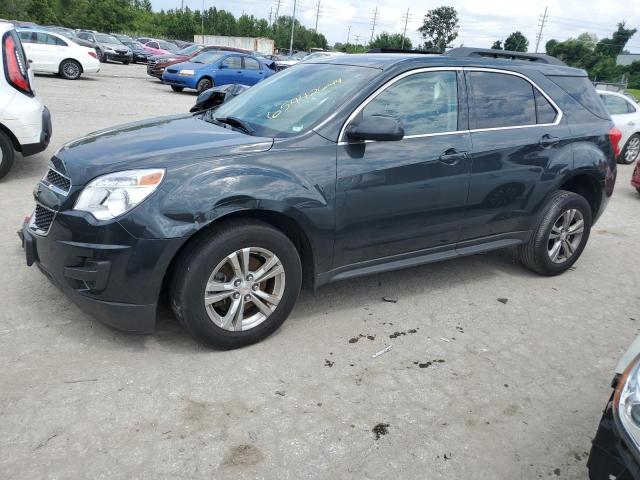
x=6, y=154
x=237, y=285
x=631, y=151
x=561, y=235
x=204, y=84
x=70, y=70
x=126, y=63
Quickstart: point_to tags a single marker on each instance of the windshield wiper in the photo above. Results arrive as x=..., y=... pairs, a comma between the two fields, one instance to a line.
x=236, y=122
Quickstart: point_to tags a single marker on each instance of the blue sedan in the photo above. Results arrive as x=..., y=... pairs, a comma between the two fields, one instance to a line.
x=213, y=68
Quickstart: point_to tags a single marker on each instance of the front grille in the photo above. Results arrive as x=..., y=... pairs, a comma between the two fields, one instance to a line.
x=152, y=63
x=42, y=219
x=56, y=179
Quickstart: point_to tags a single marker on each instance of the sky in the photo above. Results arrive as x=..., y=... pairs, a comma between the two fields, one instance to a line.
x=481, y=22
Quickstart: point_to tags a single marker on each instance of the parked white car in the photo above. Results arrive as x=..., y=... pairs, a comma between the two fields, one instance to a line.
x=50, y=52
x=625, y=113
x=25, y=124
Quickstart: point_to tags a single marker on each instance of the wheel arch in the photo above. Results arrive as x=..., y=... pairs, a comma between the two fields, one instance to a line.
x=12, y=138
x=281, y=221
x=588, y=186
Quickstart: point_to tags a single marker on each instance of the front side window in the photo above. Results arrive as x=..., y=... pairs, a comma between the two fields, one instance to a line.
x=425, y=103
x=501, y=100
x=234, y=63
x=616, y=105
x=297, y=99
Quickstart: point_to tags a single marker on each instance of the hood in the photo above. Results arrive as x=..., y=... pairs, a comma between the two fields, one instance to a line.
x=116, y=46
x=190, y=66
x=167, y=142
x=170, y=59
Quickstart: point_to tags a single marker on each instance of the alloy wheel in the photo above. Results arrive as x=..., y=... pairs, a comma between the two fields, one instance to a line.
x=244, y=289
x=565, y=236
x=71, y=70
x=633, y=150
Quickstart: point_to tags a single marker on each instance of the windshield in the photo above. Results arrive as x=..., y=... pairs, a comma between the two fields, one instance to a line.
x=296, y=99
x=167, y=46
x=102, y=38
x=188, y=50
x=208, y=57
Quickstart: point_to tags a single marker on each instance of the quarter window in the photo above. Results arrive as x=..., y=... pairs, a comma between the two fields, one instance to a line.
x=501, y=100
x=425, y=103
x=545, y=113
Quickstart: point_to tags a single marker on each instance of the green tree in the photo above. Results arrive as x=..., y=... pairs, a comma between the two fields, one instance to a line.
x=439, y=28
x=497, y=45
x=516, y=42
x=41, y=11
x=612, y=47
x=386, y=40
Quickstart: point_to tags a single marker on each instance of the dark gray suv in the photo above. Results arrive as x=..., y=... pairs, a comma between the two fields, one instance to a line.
x=108, y=47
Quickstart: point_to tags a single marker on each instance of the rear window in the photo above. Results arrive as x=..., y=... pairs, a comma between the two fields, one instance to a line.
x=582, y=91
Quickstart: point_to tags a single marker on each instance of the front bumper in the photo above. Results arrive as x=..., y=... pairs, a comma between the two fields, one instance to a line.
x=107, y=272
x=118, y=57
x=179, y=81
x=45, y=136
x=611, y=455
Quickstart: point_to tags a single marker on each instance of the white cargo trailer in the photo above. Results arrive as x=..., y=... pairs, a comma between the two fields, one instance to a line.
x=265, y=46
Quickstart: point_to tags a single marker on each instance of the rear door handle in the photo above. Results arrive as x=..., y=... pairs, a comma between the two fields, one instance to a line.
x=548, y=141
x=452, y=156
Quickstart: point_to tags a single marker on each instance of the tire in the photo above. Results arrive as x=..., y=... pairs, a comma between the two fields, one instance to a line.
x=70, y=69
x=631, y=150
x=637, y=189
x=537, y=254
x=126, y=63
x=101, y=56
x=193, y=274
x=7, y=154
x=204, y=84
x=176, y=89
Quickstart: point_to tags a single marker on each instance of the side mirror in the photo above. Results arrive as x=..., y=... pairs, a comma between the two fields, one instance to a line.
x=381, y=128
x=223, y=66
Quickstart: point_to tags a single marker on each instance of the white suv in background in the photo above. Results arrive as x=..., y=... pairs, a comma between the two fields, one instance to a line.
x=25, y=124
x=625, y=113
x=50, y=52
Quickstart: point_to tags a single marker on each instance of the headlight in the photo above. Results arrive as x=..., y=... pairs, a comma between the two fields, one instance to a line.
x=186, y=73
x=626, y=402
x=108, y=49
x=109, y=196
x=169, y=59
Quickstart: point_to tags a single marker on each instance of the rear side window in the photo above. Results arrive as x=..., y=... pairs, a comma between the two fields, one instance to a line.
x=582, y=91
x=501, y=100
x=27, y=37
x=617, y=105
x=233, y=63
x=251, y=64
x=545, y=113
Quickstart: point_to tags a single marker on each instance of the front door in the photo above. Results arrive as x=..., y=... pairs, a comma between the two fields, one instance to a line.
x=519, y=149
x=398, y=197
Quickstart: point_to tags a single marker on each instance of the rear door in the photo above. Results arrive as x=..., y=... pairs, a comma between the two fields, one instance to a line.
x=253, y=71
x=520, y=146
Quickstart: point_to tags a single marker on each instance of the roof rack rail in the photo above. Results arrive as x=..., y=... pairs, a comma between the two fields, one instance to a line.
x=504, y=54
x=399, y=50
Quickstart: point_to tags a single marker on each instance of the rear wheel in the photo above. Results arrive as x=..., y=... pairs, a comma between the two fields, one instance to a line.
x=561, y=235
x=631, y=151
x=70, y=70
x=126, y=63
x=6, y=154
x=204, y=84
x=237, y=285
x=176, y=89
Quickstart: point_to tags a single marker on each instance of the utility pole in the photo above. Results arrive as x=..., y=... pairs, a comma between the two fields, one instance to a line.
x=293, y=24
x=317, y=15
x=270, y=12
x=348, y=34
x=373, y=26
x=357, y=40
x=277, y=10
x=542, y=21
x=202, y=18
x=404, y=32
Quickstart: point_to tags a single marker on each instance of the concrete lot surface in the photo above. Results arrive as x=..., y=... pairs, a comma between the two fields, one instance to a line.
x=473, y=388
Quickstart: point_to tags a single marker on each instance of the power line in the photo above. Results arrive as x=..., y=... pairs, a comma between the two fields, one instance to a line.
x=539, y=35
x=373, y=26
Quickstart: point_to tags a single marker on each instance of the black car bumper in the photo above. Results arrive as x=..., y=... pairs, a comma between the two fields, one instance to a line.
x=611, y=455
x=118, y=57
x=108, y=273
x=45, y=136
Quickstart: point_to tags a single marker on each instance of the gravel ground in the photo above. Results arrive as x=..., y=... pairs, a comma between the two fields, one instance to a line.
x=473, y=387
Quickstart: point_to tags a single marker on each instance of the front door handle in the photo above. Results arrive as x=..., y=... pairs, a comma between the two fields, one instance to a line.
x=547, y=141
x=452, y=156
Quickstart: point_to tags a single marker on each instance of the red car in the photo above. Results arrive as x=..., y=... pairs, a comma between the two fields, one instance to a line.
x=635, y=178
x=157, y=64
